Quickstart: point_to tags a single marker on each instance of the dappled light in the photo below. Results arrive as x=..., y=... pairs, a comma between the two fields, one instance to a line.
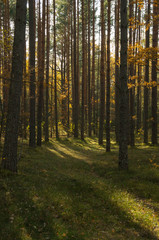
x=65, y=191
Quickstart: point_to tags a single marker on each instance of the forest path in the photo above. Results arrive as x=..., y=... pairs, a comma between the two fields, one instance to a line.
x=72, y=190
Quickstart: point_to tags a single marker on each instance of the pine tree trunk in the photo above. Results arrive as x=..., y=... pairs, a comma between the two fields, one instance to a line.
x=9, y=158
x=123, y=145
x=47, y=76
x=131, y=74
x=83, y=72
x=75, y=76
x=139, y=79
x=93, y=73
x=89, y=76
x=32, y=71
x=102, y=75
x=154, y=73
x=146, y=90
x=108, y=84
x=117, y=10
x=55, y=75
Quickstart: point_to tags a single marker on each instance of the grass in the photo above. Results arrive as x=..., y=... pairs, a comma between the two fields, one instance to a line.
x=72, y=190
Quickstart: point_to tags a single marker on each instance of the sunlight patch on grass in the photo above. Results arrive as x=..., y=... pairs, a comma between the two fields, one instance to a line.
x=24, y=234
x=70, y=152
x=137, y=211
x=55, y=152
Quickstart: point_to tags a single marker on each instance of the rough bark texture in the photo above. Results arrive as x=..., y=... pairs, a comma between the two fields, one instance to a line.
x=9, y=158
x=123, y=147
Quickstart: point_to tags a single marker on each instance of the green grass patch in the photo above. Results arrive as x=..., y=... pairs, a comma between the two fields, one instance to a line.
x=72, y=190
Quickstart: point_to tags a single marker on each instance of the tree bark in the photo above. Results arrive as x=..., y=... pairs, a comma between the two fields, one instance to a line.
x=154, y=72
x=9, y=157
x=102, y=76
x=108, y=84
x=32, y=71
x=123, y=146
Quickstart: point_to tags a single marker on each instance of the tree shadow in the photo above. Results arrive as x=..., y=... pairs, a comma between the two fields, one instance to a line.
x=58, y=195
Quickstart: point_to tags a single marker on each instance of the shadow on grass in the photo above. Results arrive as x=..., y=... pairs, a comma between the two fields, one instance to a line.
x=62, y=192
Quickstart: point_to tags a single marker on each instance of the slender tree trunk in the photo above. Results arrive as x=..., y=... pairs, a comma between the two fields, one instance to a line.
x=146, y=90
x=93, y=72
x=108, y=84
x=89, y=74
x=139, y=78
x=32, y=71
x=117, y=10
x=9, y=157
x=55, y=75
x=75, y=76
x=41, y=83
x=83, y=72
x=154, y=72
x=68, y=68
x=123, y=144
x=24, y=129
x=102, y=75
x=131, y=73
x=47, y=76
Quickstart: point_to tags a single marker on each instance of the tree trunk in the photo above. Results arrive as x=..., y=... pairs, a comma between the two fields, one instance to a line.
x=9, y=157
x=41, y=81
x=108, y=84
x=83, y=72
x=89, y=75
x=32, y=71
x=154, y=73
x=131, y=74
x=102, y=75
x=117, y=7
x=75, y=76
x=55, y=75
x=47, y=75
x=123, y=146
x=93, y=73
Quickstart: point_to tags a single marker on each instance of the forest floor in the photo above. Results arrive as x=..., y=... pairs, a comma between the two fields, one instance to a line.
x=73, y=190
